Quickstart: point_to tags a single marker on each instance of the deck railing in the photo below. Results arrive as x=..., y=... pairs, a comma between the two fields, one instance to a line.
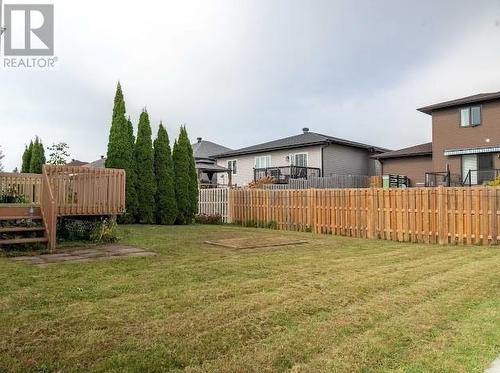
x=68, y=191
x=24, y=185
x=87, y=191
x=480, y=177
x=48, y=207
x=284, y=174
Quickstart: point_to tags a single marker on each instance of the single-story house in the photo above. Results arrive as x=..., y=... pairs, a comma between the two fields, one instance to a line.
x=412, y=162
x=308, y=154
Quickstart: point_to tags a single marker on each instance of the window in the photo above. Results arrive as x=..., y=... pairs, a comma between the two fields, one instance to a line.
x=470, y=116
x=233, y=166
x=299, y=159
x=263, y=161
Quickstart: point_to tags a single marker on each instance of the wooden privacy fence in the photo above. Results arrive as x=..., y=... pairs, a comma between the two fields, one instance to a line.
x=214, y=202
x=27, y=185
x=427, y=215
x=87, y=191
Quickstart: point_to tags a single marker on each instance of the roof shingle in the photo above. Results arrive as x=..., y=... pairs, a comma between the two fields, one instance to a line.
x=304, y=139
x=207, y=149
x=412, y=151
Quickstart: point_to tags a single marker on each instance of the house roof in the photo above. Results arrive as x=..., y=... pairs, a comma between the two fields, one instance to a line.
x=304, y=139
x=461, y=101
x=412, y=151
x=76, y=162
x=210, y=166
x=207, y=149
x=100, y=163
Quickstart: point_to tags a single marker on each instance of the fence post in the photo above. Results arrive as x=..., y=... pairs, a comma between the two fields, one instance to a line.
x=371, y=213
x=230, y=205
x=492, y=194
x=311, y=208
x=441, y=216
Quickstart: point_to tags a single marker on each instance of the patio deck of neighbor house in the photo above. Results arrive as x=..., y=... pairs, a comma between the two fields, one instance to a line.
x=58, y=191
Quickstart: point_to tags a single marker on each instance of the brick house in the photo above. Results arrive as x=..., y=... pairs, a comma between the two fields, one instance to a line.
x=465, y=147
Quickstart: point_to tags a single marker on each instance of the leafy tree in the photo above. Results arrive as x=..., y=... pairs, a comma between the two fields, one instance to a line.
x=25, y=167
x=37, y=157
x=120, y=153
x=186, y=181
x=166, y=208
x=1, y=157
x=58, y=153
x=144, y=170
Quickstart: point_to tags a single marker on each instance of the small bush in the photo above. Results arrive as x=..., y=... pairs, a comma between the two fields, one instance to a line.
x=495, y=182
x=99, y=229
x=208, y=219
x=11, y=195
x=262, y=181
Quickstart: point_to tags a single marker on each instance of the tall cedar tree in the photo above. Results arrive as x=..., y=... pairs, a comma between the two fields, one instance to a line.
x=37, y=157
x=166, y=207
x=25, y=167
x=120, y=153
x=146, y=184
x=180, y=182
x=131, y=182
x=186, y=182
x=193, y=176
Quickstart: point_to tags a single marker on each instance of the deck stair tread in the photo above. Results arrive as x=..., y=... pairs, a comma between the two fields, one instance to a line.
x=20, y=217
x=20, y=229
x=15, y=241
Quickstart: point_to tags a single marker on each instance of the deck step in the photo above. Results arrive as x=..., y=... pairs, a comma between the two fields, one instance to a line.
x=16, y=241
x=21, y=229
x=20, y=212
x=21, y=217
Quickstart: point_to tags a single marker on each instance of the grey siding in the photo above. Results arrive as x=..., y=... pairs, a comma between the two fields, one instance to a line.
x=346, y=160
x=374, y=167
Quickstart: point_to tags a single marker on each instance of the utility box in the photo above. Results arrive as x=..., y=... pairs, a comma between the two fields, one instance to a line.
x=395, y=181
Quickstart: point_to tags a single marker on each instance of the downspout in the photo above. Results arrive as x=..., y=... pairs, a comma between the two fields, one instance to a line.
x=322, y=159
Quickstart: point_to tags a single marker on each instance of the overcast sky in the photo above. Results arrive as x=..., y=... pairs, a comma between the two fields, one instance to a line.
x=243, y=72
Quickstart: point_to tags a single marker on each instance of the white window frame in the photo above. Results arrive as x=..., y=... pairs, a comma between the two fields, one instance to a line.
x=260, y=157
x=235, y=161
x=469, y=114
x=293, y=159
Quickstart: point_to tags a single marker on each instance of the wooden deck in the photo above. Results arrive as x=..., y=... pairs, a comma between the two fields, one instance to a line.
x=64, y=191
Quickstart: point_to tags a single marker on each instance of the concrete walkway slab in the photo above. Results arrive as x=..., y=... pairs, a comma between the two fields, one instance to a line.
x=84, y=255
x=494, y=367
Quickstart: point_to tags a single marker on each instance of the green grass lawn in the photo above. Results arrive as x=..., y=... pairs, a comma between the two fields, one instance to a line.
x=333, y=304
